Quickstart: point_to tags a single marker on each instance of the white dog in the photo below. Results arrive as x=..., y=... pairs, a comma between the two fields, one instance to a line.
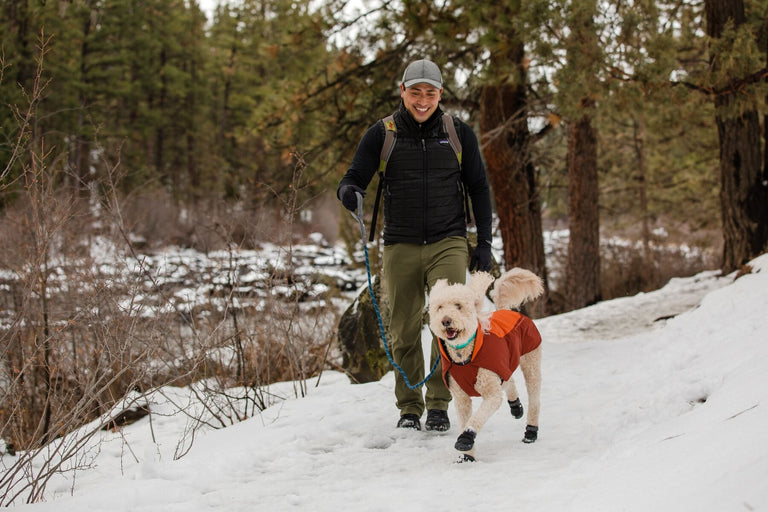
x=480, y=350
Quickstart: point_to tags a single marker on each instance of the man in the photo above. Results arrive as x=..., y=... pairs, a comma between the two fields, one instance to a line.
x=424, y=225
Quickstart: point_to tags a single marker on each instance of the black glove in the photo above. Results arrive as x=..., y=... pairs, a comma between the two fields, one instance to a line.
x=481, y=258
x=348, y=196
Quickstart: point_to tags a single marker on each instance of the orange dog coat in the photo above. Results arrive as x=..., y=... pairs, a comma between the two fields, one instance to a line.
x=511, y=335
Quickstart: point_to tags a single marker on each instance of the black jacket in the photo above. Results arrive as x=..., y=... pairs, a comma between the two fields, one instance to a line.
x=423, y=194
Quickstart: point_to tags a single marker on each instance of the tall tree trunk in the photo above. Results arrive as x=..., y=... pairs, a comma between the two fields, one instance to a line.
x=506, y=147
x=83, y=145
x=193, y=172
x=743, y=193
x=765, y=117
x=582, y=282
x=161, y=127
x=19, y=16
x=583, y=268
x=642, y=185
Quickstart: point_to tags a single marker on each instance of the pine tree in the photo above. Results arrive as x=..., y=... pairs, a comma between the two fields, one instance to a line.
x=743, y=193
x=507, y=141
x=578, y=101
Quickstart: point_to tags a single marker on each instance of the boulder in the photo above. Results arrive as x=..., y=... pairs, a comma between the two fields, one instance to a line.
x=359, y=336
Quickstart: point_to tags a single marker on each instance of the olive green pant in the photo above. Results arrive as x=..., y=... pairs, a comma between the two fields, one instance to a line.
x=409, y=272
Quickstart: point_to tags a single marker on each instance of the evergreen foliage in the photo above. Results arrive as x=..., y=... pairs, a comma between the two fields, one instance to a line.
x=198, y=110
x=224, y=108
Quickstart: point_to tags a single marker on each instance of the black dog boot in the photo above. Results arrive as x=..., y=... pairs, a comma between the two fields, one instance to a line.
x=531, y=434
x=516, y=408
x=466, y=441
x=465, y=458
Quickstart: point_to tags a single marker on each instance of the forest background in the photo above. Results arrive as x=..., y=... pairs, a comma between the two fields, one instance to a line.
x=150, y=125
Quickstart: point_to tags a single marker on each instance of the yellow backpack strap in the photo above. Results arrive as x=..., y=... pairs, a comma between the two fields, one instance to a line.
x=390, y=137
x=453, y=137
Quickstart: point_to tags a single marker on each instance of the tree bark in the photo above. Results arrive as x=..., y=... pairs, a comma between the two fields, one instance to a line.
x=743, y=193
x=506, y=147
x=743, y=198
x=583, y=268
x=83, y=144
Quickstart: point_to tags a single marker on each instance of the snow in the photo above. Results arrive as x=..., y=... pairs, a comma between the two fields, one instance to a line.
x=652, y=402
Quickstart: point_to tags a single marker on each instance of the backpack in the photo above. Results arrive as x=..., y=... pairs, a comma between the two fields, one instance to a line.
x=390, y=138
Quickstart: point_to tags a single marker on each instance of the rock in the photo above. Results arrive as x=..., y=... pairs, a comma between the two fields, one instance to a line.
x=126, y=417
x=359, y=336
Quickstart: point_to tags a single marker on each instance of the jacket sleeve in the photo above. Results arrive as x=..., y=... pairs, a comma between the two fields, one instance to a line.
x=365, y=163
x=476, y=182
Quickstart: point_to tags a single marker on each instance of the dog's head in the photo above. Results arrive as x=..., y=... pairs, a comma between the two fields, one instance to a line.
x=456, y=309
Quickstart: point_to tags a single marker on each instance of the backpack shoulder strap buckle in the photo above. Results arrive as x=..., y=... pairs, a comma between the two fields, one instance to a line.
x=390, y=137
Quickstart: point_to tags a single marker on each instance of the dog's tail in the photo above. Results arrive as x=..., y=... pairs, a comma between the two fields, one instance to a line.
x=516, y=287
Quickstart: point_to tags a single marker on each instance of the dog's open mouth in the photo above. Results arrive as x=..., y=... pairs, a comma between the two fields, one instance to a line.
x=451, y=333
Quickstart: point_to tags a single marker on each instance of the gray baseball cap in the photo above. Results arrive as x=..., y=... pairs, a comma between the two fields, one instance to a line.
x=422, y=72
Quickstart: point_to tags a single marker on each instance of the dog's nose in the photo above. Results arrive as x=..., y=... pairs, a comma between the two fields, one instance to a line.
x=447, y=321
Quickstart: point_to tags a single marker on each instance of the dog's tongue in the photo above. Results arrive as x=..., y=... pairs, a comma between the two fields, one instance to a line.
x=451, y=333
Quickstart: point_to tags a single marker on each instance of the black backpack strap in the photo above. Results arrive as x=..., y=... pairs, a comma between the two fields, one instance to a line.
x=390, y=137
x=372, y=231
x=453, y=138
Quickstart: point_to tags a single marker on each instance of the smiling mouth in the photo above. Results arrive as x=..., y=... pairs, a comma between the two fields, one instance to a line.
x=451, y=334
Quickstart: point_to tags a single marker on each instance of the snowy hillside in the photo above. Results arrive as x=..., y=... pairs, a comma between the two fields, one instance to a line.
x=639, y=412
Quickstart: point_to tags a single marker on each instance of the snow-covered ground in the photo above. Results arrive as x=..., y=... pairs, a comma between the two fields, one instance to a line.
x=640, y=412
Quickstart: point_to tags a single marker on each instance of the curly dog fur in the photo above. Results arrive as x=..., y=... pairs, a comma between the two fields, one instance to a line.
x=457, y=318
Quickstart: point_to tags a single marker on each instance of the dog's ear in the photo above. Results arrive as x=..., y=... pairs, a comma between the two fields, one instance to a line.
x=439, y=285
x=479, y=283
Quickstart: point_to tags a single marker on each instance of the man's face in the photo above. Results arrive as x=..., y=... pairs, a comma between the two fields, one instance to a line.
x=420, y=100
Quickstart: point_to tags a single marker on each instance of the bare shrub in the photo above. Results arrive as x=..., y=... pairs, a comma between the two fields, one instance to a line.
x=629, y=265
x=281, y=330
x=626, y=269
x=70, y=351
x=116, y=325
x=83, y=331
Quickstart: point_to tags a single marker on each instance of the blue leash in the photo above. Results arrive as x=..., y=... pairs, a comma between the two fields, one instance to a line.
x=359, y=217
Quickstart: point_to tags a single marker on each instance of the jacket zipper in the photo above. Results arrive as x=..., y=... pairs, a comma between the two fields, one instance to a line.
x=424, y=175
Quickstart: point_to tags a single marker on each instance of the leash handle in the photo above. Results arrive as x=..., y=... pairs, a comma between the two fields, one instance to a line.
x=359, y=205
x=358, y=215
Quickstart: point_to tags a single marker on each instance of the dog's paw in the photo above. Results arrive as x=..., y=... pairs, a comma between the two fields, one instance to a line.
x=464, y=457
x=531, y=434
x=466, y=441
x=516, y=408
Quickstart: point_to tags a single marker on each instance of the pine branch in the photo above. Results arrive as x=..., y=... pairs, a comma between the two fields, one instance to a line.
x=732, y=88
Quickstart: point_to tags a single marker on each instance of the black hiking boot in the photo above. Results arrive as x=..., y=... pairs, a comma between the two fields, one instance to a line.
x=437, y=420
x=516, y=408
x=409, y=421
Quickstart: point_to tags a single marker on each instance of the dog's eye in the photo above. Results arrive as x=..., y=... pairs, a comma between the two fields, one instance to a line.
x=458, y=306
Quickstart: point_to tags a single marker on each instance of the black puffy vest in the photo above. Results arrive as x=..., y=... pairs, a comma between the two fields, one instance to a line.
x=423, y=194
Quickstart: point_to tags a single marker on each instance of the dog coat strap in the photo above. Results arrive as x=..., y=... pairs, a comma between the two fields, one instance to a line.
x=478, y=342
